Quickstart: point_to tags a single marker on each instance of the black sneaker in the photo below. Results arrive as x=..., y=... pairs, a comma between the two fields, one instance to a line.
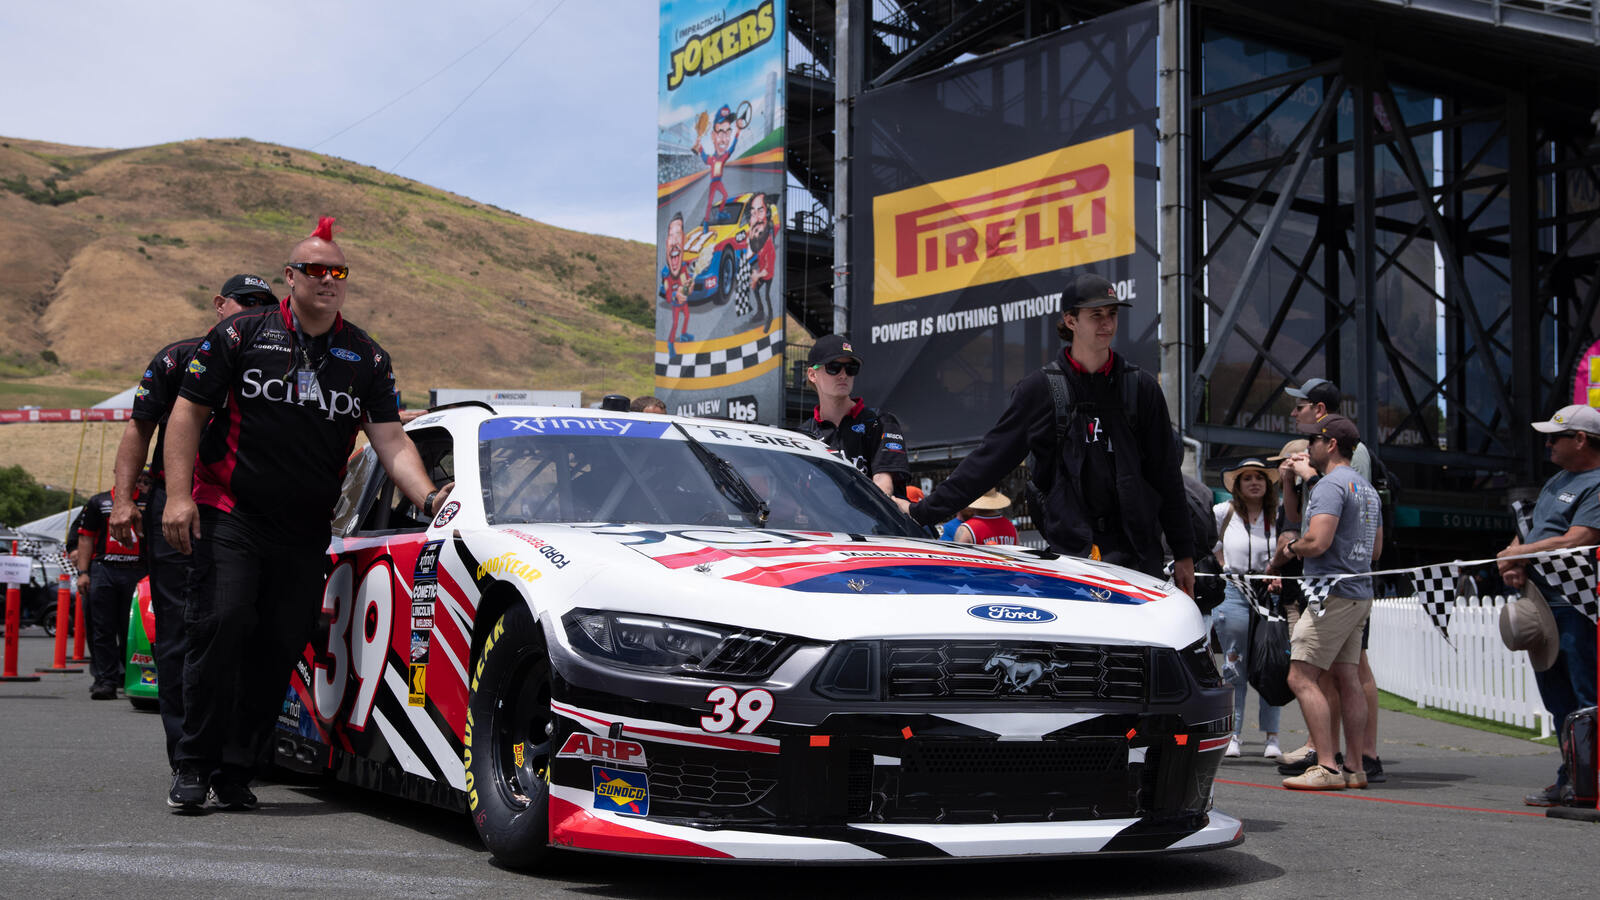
x=188, y=792
x=232, y=796
x=1374, y=769
x=1299, y=766
x=1550, y=796
x=103, y=691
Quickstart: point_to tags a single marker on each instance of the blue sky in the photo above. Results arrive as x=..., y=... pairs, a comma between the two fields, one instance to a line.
x=563, y=133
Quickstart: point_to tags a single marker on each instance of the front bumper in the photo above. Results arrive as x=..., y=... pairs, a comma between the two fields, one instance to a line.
x=831, y=780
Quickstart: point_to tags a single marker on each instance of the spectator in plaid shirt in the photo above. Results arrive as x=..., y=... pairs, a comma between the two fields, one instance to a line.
x=1567, y=514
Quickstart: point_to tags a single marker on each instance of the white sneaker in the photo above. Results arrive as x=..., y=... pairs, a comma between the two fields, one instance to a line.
x=1272, y=751
x=1233, y=747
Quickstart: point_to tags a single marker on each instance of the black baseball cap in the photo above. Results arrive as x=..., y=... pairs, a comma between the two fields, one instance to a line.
x=830, y=347
x=246, y=286
x=1089, y=290
x=1317, y=390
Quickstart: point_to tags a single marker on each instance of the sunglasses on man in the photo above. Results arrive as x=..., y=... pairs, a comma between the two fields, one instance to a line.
x=850, y=367
x=249, y=300
x=319, y=270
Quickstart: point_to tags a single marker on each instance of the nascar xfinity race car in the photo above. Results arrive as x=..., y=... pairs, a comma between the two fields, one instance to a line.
x=676, y=637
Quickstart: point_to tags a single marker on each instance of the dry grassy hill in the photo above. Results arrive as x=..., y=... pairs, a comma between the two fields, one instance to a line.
x=105, y=255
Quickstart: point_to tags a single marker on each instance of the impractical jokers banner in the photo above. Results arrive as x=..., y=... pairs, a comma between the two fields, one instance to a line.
x=719, y=294
x=988, y=184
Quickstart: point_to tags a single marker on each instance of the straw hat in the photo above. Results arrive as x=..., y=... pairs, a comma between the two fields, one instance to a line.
x=1527, y=624
x=1231, y=473
x=1298, y=445
x=992, y=499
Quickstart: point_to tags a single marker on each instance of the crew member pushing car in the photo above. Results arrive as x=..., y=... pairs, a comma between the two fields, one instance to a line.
x=152, y=402
x=1104, y=457
x=286, y=388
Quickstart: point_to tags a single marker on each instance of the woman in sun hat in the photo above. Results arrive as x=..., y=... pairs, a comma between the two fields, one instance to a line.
x=1246, y=528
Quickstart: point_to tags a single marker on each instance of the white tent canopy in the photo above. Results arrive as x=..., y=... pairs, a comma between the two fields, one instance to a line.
x=51, y=528
x=123, y=400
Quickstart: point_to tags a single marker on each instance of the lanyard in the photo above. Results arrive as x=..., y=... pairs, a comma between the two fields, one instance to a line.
x=307, y=376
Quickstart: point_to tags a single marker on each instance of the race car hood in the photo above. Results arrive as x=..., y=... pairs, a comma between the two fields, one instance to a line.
x=841, y=586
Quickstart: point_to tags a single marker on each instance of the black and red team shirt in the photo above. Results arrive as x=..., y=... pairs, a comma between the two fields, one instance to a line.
x=269, y=456
x=158, y=391
x=871, y=439
x=96, y=520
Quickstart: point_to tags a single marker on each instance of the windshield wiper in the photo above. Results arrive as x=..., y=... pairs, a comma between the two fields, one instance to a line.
x=728, y=480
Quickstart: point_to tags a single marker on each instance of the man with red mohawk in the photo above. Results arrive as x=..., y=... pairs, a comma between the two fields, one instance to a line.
x=285, y=387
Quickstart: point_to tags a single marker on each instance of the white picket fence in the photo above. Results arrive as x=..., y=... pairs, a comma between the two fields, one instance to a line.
x=1477, y=676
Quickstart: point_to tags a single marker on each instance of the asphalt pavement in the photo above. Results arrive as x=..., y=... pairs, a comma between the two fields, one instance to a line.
x=82, y=810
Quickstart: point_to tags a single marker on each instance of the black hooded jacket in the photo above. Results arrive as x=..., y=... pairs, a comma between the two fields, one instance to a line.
x=1149, y=491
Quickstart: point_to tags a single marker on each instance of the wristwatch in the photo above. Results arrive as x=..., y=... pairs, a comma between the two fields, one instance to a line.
x=427, y=503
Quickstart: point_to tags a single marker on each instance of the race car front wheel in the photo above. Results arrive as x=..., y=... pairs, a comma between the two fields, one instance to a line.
x=507, y=740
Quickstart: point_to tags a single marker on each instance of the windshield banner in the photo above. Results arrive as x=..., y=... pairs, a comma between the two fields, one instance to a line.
x=980, y=188
x=720, y=179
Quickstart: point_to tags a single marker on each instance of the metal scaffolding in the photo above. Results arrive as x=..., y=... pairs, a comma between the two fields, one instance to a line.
x=1399, y=196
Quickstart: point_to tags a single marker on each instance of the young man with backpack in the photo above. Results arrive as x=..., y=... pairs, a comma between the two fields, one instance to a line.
x=1103, y=456
x=869, y=438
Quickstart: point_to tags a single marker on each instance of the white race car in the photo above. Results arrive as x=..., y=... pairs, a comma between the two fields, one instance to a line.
x=677, y=637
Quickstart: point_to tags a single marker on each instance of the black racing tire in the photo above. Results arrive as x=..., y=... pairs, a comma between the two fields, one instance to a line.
x=47, y=618
x=144, y=704
x=725, y=275
x=510, y=707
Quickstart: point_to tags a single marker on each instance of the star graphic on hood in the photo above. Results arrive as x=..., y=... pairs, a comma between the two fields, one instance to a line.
x=1023, y=587
x=965, y=589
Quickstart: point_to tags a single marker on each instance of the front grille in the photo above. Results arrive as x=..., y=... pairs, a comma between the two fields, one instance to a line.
x=1013, y=670
x=734, y=783
x=995, y=781
x=1007, y=758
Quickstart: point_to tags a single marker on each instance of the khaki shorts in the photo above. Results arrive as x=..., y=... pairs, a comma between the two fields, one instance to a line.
x=1334, y=636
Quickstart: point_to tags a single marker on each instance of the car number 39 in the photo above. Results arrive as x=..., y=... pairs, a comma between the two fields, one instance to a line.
x=358, y=641
x=728, y=706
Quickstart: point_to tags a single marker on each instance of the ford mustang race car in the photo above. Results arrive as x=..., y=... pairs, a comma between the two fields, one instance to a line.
x=665, y=636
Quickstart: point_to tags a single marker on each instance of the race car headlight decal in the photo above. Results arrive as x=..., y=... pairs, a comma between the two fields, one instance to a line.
x=676, y=645
x=1170, y=682
x=1197, y=656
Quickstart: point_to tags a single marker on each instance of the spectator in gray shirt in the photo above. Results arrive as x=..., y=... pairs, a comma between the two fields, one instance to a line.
x=1343, y=535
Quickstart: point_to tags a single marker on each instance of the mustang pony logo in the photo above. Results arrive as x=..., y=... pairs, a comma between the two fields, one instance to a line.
x=1021, y=674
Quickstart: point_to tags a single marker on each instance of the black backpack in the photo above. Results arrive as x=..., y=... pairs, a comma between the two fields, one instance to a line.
x=1041, y=473
x=1388, y=488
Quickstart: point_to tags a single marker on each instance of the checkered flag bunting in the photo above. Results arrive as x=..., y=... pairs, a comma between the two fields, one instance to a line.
x=1435, y=586
x=1252, y=590
x=1522, y=511
x=1573, y=576
x=1316, y=590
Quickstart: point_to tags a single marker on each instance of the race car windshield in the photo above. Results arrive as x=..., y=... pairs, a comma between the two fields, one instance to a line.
x=656, y=481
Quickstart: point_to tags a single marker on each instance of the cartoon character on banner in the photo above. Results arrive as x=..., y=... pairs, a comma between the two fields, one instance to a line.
x=764, y=224
x=725, y=131
x=1586, y=381
x=676, y=280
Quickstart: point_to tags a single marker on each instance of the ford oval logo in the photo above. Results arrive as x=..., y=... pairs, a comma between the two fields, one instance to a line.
x=346, y=355
x=1011, y=612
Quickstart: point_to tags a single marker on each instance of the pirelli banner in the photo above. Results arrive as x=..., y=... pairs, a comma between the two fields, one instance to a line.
x=988, y=184
x=720, y=167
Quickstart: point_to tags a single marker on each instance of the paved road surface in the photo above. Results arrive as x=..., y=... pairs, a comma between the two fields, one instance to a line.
x=82, y=811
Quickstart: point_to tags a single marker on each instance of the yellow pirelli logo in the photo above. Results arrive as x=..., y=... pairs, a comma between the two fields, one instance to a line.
x=1061, y=209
